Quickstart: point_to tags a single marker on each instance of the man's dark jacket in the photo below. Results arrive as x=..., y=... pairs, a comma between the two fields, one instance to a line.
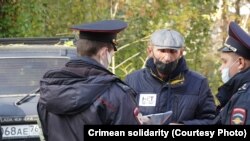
x=82, y=93
x=184, y=92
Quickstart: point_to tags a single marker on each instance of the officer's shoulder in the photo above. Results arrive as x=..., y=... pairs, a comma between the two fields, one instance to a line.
x=244, y=87
x=120, y=84
x=125, y=88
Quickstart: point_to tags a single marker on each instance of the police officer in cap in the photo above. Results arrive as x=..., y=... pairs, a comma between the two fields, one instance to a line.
x=85, y=91
x=234, y=94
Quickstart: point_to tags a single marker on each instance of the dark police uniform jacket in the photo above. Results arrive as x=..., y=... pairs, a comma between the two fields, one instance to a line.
x=186, y=94
x=82, y=93
x=235, y=99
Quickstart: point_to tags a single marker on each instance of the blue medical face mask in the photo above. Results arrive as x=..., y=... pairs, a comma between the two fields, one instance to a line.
x=109, y=57
x=225, y=73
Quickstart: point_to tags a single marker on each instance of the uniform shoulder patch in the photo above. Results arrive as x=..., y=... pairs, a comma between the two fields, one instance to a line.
x=238, y=116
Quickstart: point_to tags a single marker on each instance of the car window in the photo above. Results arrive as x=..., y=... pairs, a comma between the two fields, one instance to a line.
x=22, y=75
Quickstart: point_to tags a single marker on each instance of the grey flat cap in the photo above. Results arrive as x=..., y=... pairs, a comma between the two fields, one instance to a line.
x=167, y=38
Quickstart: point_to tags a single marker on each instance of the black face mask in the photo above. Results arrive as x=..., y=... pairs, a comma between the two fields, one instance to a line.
x=166, y=69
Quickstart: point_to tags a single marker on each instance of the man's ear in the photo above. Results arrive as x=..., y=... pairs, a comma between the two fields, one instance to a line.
x=242, y=63
x=150, y=51
x=100, y=54
x=102, y=51
x=182, y=52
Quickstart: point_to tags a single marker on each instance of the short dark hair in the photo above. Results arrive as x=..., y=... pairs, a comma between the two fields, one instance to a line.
x=87, y=47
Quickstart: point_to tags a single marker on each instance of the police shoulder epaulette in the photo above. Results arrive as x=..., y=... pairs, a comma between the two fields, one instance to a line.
x=244, y=87
x=123, y=86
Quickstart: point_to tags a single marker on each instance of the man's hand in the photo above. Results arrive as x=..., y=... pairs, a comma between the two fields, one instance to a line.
x=144, y=120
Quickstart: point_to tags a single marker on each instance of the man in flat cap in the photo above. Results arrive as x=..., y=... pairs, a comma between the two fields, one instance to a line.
x=234, y=94
x=166, y=83
x=85, y=91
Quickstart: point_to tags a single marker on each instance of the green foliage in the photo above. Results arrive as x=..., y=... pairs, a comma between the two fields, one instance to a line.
x=8, y=12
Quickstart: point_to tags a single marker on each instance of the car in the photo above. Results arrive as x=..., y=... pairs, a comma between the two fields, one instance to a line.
x=23, y=61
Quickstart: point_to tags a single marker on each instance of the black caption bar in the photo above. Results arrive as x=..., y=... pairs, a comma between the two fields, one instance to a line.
x=164, y=132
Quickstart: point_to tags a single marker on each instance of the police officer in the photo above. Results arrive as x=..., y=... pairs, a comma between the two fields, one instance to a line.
x=234, y=94
x=166, y=83
x=85, y=91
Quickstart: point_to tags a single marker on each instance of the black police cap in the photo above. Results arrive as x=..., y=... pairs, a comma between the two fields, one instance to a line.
x=102, y=31
x=238, y=41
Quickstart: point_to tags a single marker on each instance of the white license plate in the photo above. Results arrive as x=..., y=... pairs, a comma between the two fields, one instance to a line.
x=20, y=131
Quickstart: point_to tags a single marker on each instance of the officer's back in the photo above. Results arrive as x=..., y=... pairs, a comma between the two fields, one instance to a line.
x=85, y=91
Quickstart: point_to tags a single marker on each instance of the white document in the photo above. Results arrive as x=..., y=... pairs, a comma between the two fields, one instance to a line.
x=156, y=119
